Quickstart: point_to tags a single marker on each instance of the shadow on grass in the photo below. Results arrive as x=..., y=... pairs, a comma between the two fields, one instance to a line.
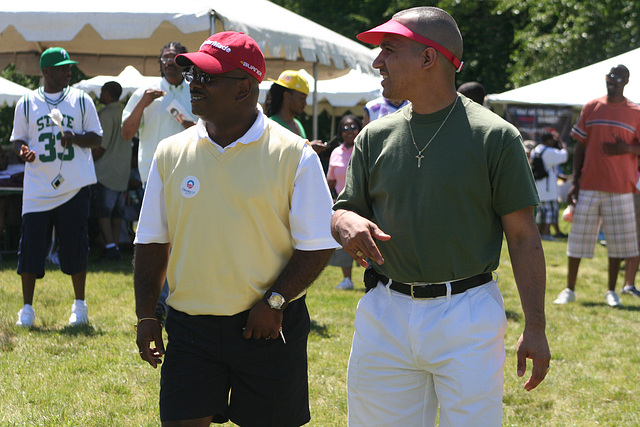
x=85, y=330
x=605, y=305
x=72, y=331
x=7, y=339
x=512, y=315
x=320, y=330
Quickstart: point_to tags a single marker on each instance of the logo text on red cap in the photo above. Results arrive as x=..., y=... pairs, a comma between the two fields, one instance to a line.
x=214, y=43
x=251, y=67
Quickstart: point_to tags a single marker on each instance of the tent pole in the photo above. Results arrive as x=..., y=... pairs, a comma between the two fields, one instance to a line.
x=333, y=123
x=315, y=100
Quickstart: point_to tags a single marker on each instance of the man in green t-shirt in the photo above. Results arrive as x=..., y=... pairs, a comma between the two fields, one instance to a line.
x=429, y=192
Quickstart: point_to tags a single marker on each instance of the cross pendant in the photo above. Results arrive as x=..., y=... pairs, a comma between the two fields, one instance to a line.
x=419, y=157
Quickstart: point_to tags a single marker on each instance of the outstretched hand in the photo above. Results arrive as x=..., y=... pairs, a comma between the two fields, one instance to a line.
x=356, y=235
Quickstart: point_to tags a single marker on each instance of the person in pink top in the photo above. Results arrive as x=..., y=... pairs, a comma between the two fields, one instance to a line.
x=348, y=129
x=605, y=169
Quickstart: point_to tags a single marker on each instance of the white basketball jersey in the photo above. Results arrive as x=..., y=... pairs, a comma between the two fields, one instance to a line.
x=33, y=125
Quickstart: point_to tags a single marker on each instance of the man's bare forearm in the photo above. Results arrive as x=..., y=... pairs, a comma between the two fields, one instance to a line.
x=301, y=270
x=149, y=272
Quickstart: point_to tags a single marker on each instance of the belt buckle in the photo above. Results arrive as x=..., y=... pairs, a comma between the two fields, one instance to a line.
x=417, y=285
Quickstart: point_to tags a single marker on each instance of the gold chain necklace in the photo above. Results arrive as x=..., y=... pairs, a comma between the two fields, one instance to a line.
x=419, y=156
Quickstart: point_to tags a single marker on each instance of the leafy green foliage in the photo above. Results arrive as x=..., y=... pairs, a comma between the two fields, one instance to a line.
x=557, y=36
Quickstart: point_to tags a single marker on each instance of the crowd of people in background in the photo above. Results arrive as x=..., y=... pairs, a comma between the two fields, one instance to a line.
x=421, y=147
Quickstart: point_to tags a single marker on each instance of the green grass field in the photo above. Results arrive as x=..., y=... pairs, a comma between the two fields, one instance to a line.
x=53, y=375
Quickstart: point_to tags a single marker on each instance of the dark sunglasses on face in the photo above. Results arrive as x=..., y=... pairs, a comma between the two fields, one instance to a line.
x=166, y=61
x=347, y=128
x=204, y=78
x=614, y=77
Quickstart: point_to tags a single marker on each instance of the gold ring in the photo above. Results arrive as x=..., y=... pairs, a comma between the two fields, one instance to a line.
x=359, y=253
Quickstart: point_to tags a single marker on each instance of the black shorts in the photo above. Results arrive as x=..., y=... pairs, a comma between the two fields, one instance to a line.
x=210, y=369
x=70, y=222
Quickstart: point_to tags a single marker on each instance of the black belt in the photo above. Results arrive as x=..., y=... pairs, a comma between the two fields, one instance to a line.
x=428, y=290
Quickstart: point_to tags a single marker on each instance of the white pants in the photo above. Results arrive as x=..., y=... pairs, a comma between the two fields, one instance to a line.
x=411, y=356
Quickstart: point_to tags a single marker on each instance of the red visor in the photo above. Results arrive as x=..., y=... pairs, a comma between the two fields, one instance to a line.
x=374, y=35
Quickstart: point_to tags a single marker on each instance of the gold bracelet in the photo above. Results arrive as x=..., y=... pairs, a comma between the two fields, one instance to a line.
x=145, y=318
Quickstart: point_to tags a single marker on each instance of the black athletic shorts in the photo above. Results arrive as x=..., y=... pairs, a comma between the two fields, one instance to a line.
x=210, y=369
x=70, y=222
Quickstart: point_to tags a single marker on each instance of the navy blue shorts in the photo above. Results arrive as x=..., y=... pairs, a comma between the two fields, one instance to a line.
x=106, y=203
x=210, y=369
x=70, y=222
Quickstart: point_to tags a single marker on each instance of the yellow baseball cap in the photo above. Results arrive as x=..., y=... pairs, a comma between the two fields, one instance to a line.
x=293, y=80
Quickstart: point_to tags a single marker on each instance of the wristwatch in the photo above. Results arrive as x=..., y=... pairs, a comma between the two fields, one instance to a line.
x=275, y=300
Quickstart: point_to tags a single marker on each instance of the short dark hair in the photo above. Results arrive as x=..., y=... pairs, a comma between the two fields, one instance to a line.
x=176, y=45
x=474, y=91
x=179, y=47
x=352, y=117
x=113, y=88
x=546, y=137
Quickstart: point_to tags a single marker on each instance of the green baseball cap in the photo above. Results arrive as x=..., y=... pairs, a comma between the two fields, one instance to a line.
x=54, y=57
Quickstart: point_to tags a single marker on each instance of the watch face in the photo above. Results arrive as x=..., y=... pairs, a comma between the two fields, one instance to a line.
x=276, y=300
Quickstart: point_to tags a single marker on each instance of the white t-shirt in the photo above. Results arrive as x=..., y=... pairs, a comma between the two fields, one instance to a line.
x=33, y=125
x=551, y=157
x=157, y=122
x=381, y=107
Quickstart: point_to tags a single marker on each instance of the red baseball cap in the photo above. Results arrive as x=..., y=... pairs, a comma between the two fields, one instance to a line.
x=374, y=35
x=226, y=51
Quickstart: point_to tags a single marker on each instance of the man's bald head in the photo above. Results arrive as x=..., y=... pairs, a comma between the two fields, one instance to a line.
x=434, y=24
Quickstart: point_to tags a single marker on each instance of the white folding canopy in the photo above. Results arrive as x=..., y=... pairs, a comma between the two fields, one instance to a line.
x=334, y=95
x=107, y=36
x=130, y=79
x=575, y=88
x=340, y=94
x=10, y=92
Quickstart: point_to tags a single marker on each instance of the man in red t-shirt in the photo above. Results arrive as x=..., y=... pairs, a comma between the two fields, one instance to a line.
x=605, y=169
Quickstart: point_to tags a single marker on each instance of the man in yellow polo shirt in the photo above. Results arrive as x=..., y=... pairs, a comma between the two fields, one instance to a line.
x=245, y=209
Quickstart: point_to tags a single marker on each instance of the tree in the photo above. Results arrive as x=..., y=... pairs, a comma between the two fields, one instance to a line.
x=488, y=32
x=558, y=36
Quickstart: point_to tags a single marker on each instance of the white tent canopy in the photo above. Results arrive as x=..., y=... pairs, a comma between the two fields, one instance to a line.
x=339, y=94
x=577, y=87
x=350, y=91
x=130, y=79
x=107, y=36
x=10, y=92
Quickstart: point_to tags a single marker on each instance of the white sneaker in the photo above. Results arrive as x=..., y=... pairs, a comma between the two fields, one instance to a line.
x=26, y=316
x=346, y=284
x=565, y=297
x=631, y=290
x=79, y=313
x=612, y=299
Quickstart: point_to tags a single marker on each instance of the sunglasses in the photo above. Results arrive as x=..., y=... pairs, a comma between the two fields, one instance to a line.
x=614, y=77
x=166, y=61
x=347, y=128
x=204, y=78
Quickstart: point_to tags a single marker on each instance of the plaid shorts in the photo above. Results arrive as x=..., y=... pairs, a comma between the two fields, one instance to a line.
x=547, y=212
x=615, y=212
